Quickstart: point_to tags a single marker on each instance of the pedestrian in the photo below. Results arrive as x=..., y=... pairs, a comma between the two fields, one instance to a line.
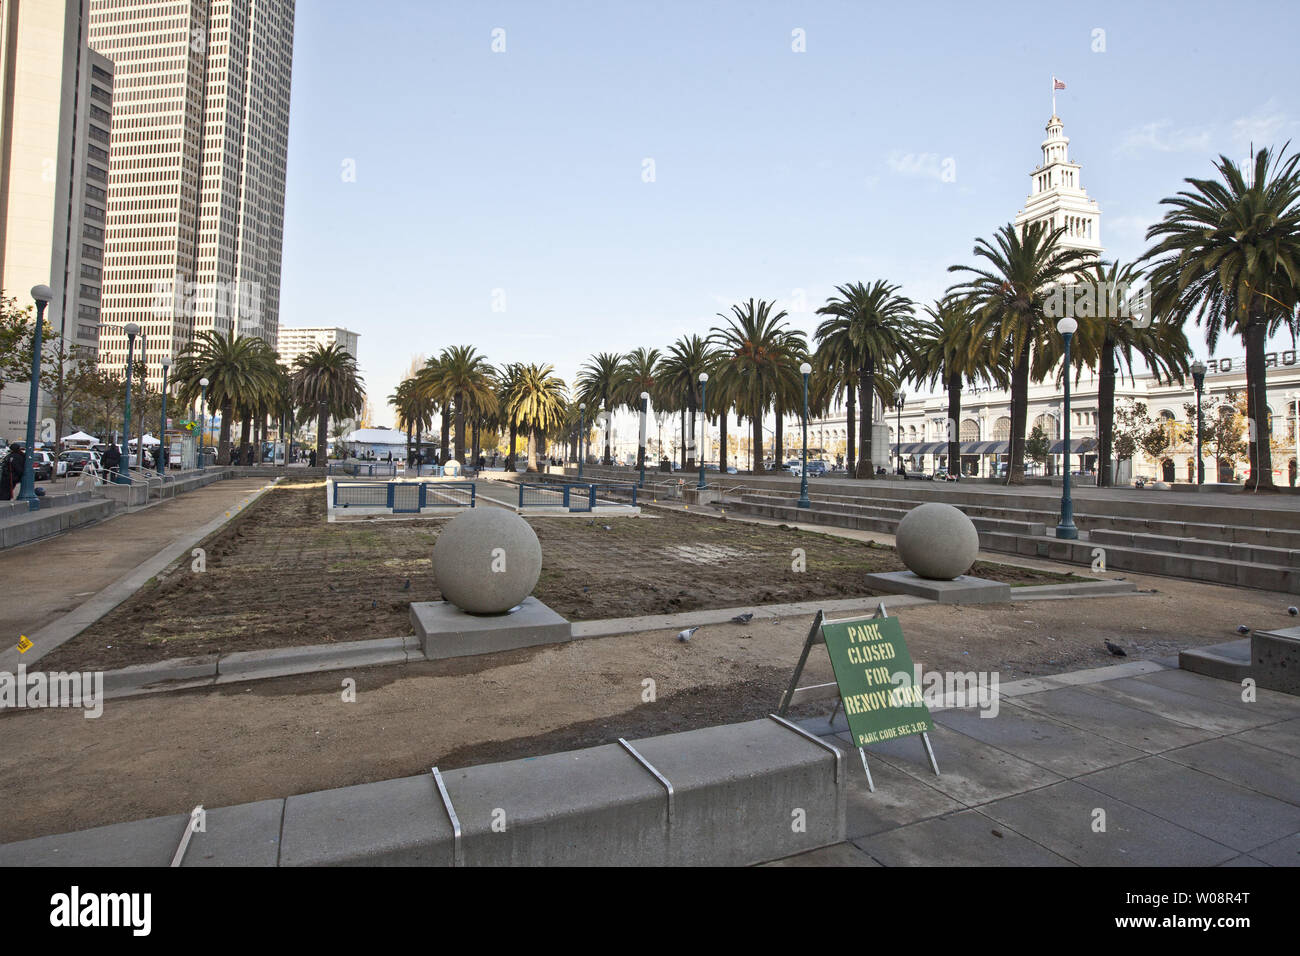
x=11, y=471
x=112, y=458
x=311, y=458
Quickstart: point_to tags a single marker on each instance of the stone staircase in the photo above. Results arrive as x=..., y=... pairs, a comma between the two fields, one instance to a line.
x=1217, y=543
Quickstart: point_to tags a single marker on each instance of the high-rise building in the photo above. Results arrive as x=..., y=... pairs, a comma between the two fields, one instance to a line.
x=56, y=99
x=294, y=342
x=1057, y=196
x=196, y=190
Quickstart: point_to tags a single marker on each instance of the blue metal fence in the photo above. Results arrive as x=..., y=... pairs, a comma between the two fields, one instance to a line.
x=361, y=493
x=573, y=496
x=404, y=497
x=362, y=469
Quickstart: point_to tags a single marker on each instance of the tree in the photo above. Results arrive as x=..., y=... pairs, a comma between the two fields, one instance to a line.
x=538, y=404
x=598, y=385
x=464, y=379
x=875, y=320
x=1110, y=334
x=1228, y=253
x=326, y=379
x=239, y=368
x=1009, y=295
x=760, y=350
x=1037, y=446
x=679, y=378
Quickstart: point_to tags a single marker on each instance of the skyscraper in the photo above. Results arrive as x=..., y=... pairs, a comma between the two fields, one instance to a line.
x=56, y=100
x=196, y=191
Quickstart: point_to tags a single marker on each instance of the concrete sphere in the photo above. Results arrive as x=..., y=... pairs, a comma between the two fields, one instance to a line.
x=452, y=468
x=487, y=560
x=937, y=541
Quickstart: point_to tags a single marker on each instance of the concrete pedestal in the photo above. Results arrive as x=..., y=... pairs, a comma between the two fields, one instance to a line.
x=961, y=590
x=1275, y=659
x=445, y=630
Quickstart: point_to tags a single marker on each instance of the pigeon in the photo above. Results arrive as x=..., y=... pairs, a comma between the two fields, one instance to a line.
x=1242, y=629
x=1115, y=649
x=685, y=635
x=1293, y=611
x=407, y=585
x=374, y=604
x=743, y=618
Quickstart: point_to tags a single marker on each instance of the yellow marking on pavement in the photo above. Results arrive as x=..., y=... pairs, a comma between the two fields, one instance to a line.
x=24, y=645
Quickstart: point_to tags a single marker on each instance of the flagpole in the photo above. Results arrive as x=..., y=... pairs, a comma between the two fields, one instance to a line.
x=1053, y=95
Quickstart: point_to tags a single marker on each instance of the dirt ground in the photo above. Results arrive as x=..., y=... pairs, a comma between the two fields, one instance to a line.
x=166, y=753
x=279, y=575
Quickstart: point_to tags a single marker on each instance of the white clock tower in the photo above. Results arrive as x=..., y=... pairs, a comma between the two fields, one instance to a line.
x=1055, y=195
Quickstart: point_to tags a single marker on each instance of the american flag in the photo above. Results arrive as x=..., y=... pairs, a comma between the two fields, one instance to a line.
x=1057, y=84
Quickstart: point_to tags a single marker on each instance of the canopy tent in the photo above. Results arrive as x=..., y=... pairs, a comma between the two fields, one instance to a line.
x=80, y=438
x=148, y=440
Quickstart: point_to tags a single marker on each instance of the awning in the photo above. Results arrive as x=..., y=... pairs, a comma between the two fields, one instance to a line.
x=986, y=448
x=1077, y=446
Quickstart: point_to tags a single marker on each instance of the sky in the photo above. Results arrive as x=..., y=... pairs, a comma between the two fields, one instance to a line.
x=545, y=180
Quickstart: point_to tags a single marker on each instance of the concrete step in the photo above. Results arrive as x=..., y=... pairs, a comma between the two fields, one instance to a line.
x=1248, y=553
x=1230, y=661
x=892, y=515
x=33, y=525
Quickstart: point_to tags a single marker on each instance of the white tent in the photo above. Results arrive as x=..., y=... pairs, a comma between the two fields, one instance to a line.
x=80, y=438
x=148, y=440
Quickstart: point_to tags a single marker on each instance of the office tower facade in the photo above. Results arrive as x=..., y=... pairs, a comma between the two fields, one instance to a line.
x=296, y=342
x=196, y=190
x=56, y=101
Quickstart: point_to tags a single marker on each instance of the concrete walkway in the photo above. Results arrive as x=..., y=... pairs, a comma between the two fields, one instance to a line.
x=49, y=583
x=1134, y=765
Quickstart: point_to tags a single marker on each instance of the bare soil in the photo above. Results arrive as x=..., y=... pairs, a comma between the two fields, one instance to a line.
x=279, y=575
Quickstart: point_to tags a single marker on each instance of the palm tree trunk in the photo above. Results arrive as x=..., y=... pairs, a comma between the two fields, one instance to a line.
x=1260, y=435
x=408, y=441
x=609, y=422
x=245, y=424
x=758, y=440
x=446, y=436
x=514, y=432
x=722, y=442
x=1019, y=416
x=778, y=440
x=851, y=458
x=954, y=426
x=532, y=450
x=684, y=439
x=867, y=400
x=418, y=436
x=690, y=445
x=1106, y=412
x=322, y=433
x=474, y=439
x=223, y=441
x=460, y=427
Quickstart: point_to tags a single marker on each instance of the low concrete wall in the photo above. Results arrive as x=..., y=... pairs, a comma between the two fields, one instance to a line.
x=737, y=792
x=25, y=527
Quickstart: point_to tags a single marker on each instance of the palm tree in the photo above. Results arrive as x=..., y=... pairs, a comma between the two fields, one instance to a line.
x=409, y=406
x=1009, y=296
x=875, y=321
x=1107, y=341
x=1228, y=252
x=835, y=374
x=598, y=385
x=463, y=378
x=946, y=348
x=326, y=379
x=238, y=368
x=679, y=376
x=538, y=403
x=507, y=388
x=639, y=374
x=760, y=350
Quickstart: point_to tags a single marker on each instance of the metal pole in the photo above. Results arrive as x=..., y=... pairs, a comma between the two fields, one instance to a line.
x=645, y=410
x=704, y=421
x=27, y=492
x=139, y=443
x=124, y=466
x=898, y=445
x=162, y=422
x=582, y=436
x=1066, y=528
x=803, y=478
x=203, y=424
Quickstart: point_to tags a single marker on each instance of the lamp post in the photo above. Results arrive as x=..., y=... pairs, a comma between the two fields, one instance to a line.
x=42, y=295
x=805, y=370
x=898, y=452
x=139, y=441
x=582, y=435
x=1066, y=528
x=704, y=422
x=162, y=418
x=124, y=466
x=203, y=423
x=645, y=410
x=1198, y=379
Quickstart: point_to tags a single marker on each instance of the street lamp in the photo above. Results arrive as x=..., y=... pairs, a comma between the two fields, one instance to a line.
x=898, y=453
x=1066, y=528
x=162, y=418
x=805, y=370
x=582, y=434
x=42, y=294
x=704, y=421
x=1198, y=379
x=124, y=466
x=645, y=410
x=203, y=410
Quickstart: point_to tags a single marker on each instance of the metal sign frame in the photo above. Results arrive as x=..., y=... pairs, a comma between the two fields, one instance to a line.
x=796, y=694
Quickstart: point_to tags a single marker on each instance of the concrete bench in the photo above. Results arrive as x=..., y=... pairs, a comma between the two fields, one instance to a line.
x=738, y=793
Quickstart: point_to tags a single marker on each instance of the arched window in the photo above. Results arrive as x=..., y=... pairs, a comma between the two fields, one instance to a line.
x=1002, y=429
x=970, y=430
x=911, y=433
x=1048, y=424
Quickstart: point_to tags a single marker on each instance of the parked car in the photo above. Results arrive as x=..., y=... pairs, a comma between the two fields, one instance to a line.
x=43, y=467
x=731, y=469
x=75, y=461
x=817, y=468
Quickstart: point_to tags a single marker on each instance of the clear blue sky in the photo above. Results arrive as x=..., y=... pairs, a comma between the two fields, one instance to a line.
x=775, y=171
